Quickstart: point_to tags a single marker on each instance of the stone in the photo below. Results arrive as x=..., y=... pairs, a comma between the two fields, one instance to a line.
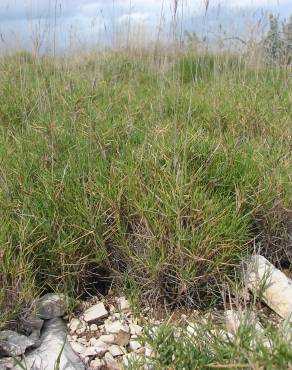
x=53, y=344
x=115, y=327
x=74, y=325
x=135, y=329
x=271, y=284
x=93, y=327
x=134, y=345
x=123, y=304
x=111, y=363
x=50, y=306
x=13, y=344
x=95, y=351
x=116, y=350
x=108, y=338
x=234, y=319
x=97, y=364
x=77, y=347
x=95, y=312
x=82, y=341
x=122, y=338
x=81, y=330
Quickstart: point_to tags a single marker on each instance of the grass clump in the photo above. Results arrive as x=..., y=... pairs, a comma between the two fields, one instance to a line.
x=113, y=168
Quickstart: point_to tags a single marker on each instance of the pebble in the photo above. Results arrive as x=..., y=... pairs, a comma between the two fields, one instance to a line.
x=116, y=350
x=95, y=312
x=74, y=325
x=116, y=327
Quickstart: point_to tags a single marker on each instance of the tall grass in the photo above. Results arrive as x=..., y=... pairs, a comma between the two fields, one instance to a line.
x=114, y=167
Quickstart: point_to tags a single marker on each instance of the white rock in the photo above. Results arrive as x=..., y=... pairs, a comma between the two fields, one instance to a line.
x=95, y=312
x=94, y=342
x=77, y=347
x=111, y=362
x=135, y=329
x=148, y=352
x=74, y=325
x=271, y=284
x=107, y=338
x=115, y=327
x=94, y=351
x=97, y=364
x=93, y=327
x=82, y=341
x=81, y=330
x=123, y=304
x=134, y=345
x=116, y=350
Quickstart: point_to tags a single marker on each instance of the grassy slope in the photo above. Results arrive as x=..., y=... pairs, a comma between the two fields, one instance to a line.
x=163, y=178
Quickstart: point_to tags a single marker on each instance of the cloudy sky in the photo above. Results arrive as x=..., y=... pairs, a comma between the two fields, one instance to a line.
x=70, y=24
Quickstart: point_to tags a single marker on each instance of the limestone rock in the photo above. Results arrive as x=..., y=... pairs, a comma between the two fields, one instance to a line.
x=95, y=351
x=95, y=312
x=108, y=338
x=111, y=363
x=273, y=285
x=53, y=343
x=77, y=347
x=13, y=344
x=31, y=324
x=97, y=364
x=116, y=350
x=116, y=327
x=51, y=306
x=122, y=338
x=124, y=304
x=74, y=325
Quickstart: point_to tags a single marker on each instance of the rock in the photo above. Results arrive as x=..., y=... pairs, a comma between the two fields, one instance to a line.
x=123, y=304
x=271, y=284
x=95, y=351
x=53, y=343
x=94, y=342
x=111, y=363
x=135, y=329
x=122, y=338
x=81, y=330
x=108, y=338
x=77, y=347
x=95, y=312
x=93, y=327
x=234, y=319
x=13, y=344
x=50, y=306
x=74, y=325
x=97, y=364
x=116, y=350
x=134, y=345
x=82, y=341
x=116, y=327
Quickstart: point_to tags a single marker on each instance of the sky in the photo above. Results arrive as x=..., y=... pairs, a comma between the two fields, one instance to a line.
x=65, y=25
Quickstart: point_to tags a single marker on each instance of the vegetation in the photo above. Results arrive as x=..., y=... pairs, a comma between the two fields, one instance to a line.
x=159, y=175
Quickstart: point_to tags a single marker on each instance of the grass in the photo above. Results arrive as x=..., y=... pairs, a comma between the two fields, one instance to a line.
x=161, y=177
x=211, y=348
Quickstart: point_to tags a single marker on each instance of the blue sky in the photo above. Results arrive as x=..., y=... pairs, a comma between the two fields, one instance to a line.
x=79, y=23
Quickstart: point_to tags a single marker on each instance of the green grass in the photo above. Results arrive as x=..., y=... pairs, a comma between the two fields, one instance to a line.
x=211, y=348
x=159, y=178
